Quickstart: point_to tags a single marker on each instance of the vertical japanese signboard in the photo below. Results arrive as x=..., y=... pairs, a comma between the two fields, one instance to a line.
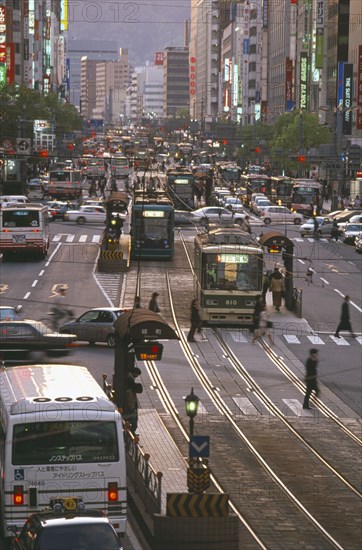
x=319, y=35
x=2, y=45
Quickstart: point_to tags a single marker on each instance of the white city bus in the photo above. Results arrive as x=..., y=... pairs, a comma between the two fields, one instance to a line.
x=61, y=442
x=24, y=227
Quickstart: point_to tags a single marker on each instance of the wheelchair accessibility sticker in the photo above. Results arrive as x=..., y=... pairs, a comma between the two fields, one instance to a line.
x=19, y=474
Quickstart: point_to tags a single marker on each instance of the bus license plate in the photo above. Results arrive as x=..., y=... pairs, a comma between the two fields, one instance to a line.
x=19, y=239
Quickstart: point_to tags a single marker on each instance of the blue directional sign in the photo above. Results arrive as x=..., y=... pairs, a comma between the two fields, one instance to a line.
x=199, y=446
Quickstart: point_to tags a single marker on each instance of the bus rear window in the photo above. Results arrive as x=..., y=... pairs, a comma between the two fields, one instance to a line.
x=64, y=443
x=20, y=218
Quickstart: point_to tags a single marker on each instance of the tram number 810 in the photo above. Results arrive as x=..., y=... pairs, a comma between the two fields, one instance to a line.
x=231, y=302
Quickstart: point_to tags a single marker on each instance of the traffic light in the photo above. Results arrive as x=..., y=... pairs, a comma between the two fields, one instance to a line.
x=274, y=249
x=301, y=158
x=148, y=351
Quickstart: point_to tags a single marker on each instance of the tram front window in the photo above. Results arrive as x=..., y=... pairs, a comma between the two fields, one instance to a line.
x=234, y=274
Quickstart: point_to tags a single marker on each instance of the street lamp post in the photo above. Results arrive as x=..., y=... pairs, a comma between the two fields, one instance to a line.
x=191, y=404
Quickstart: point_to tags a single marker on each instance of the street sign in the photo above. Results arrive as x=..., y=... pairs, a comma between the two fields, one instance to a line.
x=23, y=146
x=197, y=506
x=199, y=446
x=198, y=479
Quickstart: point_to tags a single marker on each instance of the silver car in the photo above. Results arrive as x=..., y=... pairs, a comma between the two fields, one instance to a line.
x=95, y=325
x=325, y=226
x=215, y=214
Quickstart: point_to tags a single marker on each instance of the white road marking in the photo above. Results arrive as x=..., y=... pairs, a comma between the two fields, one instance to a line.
x=34, y=283
x=301, y=261
x=359, y=339
x=324, y=280
x=70, y=238
x=352, y=303
x=298, y=240
x=96, y=238
x=245, y=406
x=26, y=295
x=83, y=238
x=291, y=339
x=239, y=337
x=57, y=238
x=316, y=340
x=339, y=341
x=295, y=406
x=41, y=273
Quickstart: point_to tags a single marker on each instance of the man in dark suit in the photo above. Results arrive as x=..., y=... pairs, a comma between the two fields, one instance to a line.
x=345, y=323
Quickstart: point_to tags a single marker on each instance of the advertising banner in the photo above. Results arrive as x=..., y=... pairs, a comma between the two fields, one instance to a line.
x=347, y=98
x=303, y=79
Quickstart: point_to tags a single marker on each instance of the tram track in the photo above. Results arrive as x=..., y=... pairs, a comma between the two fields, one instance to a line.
x=318, y=525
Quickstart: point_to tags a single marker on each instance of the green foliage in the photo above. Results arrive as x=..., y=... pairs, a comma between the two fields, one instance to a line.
x=20, y=106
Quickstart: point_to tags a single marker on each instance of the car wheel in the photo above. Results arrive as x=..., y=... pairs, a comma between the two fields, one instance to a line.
x=81, y=221
x=297, y=221
x=267, y=221
x=111, y=340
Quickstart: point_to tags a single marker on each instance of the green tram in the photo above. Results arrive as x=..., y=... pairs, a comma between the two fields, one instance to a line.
x=152, y=226
x=228, y=265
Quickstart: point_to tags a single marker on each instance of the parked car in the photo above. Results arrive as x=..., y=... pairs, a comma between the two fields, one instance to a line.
x=358, y=243
x=280, y=214
x=260, y=206
x=90, y=530
x=351, y=231
x=9, y=313
x=325, y=226
x=28, y=339
x=234, y=204
x=215, y=214
x=357, y=218
x=95, y=325
x=346, y=215
x=86, y=214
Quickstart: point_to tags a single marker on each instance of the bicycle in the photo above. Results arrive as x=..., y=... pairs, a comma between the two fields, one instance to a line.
x=54, y=319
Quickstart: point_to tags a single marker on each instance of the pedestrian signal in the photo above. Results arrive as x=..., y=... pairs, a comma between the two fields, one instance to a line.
x=149, y=351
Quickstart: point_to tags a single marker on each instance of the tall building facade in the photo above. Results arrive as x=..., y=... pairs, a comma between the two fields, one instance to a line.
x=175, y=80
x=31, y=44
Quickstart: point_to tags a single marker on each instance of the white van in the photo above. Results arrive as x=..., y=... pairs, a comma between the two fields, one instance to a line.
x=5, y=200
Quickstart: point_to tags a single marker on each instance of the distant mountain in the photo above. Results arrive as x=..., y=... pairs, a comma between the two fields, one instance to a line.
x=143, y=27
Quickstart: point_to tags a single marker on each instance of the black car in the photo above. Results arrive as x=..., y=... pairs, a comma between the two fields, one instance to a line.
x=81, y=530
x=32, y=340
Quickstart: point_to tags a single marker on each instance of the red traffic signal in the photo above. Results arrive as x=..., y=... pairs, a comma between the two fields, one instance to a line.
x=274, y=249
x=148, y=351
x=301, y=158
x=43, y=154
x=257, y=150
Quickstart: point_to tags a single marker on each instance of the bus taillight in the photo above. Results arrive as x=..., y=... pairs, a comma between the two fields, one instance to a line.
x=112, y=491
x=18, y=496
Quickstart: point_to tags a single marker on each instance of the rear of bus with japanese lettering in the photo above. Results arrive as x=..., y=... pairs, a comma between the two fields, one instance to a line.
x=62, y=445
x=24, y=228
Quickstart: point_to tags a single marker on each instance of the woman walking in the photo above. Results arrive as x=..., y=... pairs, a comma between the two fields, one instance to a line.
x=277, y=289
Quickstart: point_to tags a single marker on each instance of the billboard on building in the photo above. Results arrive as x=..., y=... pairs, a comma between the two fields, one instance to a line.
x=303, y=80
x=347, y=98
x=159, y=58
x=3, y=39
x=319, y=49
x=289, y=103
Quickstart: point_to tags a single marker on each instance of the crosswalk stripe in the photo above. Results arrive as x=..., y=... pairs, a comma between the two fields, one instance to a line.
x=292, y=339
x=359, y=340
x=339, y=341
x=295, y=406
x=298, y=240
x=57, y=238
x=245, y=406
x=316, y=340
x=83, y=238
x=96, y=238
x=239, y=337
x=70, y=238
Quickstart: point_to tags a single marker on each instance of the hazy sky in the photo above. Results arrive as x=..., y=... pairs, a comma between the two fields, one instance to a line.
x=143, y=27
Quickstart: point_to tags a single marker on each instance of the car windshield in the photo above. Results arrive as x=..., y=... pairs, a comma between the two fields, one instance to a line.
x=354, y=228
x=8, y=313
x=78, y=537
